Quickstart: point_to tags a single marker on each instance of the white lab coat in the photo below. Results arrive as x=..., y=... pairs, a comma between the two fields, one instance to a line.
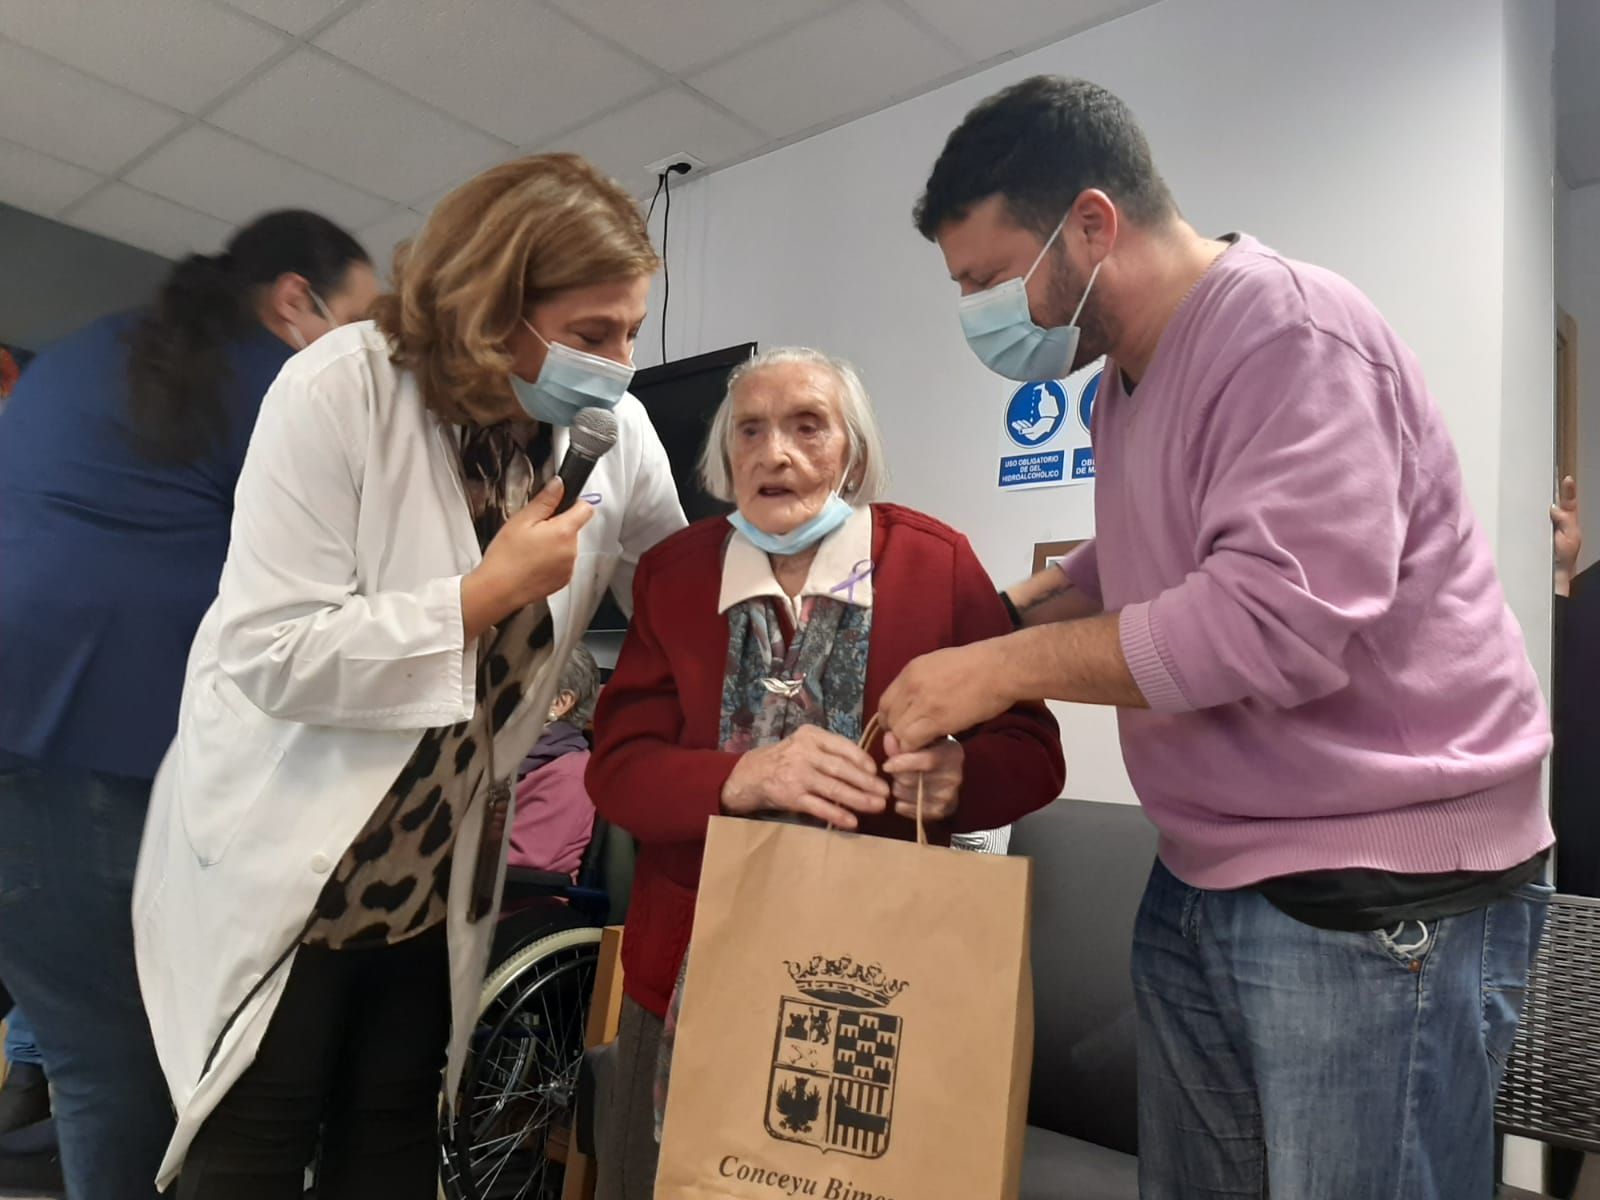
x=335, y=640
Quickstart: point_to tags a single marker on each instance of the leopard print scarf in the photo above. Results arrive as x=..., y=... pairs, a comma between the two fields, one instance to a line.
x=393, y=883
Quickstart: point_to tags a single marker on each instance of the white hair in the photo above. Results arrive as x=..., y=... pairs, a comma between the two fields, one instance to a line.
x=868, y=475
x=580, y=678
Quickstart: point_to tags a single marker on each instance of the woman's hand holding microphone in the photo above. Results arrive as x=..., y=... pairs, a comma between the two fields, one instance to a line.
x=531, y=558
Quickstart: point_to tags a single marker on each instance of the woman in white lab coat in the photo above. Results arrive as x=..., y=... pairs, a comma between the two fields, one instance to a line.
x=318, y=881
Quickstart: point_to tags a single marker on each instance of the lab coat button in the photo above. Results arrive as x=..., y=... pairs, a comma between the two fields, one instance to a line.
x=321, y=863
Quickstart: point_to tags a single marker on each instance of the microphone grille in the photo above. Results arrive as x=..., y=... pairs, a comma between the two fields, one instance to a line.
x=594, y=431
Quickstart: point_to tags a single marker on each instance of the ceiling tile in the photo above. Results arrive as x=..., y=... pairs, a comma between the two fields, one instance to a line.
x=321, y=113
x=381, y=238
x=68, y=115
x=216, y=173
x=517, y=69
x=149, y=222
x=985, y=30
x=38, y=182
x=180, y=52
x=847, y=62
x=689, y=33
x=667, y=122
x=295, y=16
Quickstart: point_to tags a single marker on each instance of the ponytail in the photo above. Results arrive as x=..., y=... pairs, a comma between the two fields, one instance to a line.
x=177, y=366
x=178, y=361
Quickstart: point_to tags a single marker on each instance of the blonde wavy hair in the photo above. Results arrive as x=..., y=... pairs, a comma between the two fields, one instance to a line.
x=501, y=242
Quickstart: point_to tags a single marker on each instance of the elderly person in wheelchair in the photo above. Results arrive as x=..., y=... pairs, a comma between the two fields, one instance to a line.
x=756, y=657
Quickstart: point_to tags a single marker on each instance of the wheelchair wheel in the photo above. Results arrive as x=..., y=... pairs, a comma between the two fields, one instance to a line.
x=513, y=1117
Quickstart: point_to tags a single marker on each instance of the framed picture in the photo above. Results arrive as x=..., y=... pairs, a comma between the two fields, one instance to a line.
x=1048, y=554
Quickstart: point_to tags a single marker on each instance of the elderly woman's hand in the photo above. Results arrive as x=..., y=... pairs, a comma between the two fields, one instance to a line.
x=939, y=766
x=813, y=772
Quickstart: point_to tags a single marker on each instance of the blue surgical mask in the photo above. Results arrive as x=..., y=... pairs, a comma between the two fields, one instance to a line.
x=569, y=382
x=834, y=512
x=1004, y=336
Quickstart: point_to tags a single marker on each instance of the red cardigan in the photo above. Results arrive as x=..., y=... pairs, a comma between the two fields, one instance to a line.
x=657, y=771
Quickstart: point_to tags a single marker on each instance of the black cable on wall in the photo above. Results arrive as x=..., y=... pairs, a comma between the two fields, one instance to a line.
x=664, y=185
x=666, y=263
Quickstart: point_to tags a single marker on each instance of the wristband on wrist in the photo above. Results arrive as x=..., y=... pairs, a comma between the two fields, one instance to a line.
x=1011, y=610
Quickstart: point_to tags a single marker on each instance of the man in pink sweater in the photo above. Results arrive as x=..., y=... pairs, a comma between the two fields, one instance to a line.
x=1325, y=705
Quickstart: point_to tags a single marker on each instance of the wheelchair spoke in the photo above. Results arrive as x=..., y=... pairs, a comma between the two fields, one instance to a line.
x=510, y=1143
x=521, y=1081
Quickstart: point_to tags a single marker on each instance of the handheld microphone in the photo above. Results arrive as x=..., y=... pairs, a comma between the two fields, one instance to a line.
x=594, y=431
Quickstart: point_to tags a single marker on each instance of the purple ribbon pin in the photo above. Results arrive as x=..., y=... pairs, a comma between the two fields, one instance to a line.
x=859, y=573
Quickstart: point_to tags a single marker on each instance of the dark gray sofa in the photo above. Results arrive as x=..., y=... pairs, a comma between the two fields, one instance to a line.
x=1090, y=863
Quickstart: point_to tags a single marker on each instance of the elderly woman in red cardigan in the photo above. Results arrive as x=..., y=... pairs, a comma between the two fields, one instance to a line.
x=758, y=650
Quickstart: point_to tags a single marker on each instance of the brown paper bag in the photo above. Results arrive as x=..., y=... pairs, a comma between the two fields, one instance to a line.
x=857, y=1022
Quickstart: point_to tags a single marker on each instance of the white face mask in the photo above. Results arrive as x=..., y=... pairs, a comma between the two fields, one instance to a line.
x=300, y=339
x=1003, y=334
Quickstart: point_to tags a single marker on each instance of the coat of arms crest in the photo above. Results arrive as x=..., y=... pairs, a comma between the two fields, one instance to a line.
x=836, y=1058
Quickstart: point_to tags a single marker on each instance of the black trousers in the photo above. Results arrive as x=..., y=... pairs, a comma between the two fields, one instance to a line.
x=348, y=1074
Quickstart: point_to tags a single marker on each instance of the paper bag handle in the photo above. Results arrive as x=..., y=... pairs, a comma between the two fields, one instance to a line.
x=868, y=736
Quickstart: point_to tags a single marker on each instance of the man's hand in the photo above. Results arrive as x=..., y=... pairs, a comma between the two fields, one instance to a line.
x=936, y=771
x=947, y=692
x=951, y=691
x=1568, y=535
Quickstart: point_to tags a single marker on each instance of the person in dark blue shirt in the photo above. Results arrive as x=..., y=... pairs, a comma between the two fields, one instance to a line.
x=119, y=452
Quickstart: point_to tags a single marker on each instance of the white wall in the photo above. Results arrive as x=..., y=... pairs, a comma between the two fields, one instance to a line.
x=1527, y=365
x=1578, y=289
x=1366, y=136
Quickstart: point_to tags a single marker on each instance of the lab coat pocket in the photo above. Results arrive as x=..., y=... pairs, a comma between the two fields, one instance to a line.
x=227, y=754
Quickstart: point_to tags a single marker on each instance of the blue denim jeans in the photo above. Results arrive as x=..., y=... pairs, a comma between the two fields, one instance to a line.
x=20, y=1046
x=1277, y=1058
x=68, y=845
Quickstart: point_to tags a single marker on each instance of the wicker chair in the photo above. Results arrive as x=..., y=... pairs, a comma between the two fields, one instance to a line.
x=1551, y=1091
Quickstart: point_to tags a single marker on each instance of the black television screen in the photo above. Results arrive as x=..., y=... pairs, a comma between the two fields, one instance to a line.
x=681, y=398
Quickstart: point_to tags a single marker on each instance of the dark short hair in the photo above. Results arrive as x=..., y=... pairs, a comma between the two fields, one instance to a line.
x=1039, y=144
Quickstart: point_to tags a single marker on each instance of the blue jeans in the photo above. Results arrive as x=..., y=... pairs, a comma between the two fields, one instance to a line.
x=68, y=845
x=20, y=1046
x=1277, y=1058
